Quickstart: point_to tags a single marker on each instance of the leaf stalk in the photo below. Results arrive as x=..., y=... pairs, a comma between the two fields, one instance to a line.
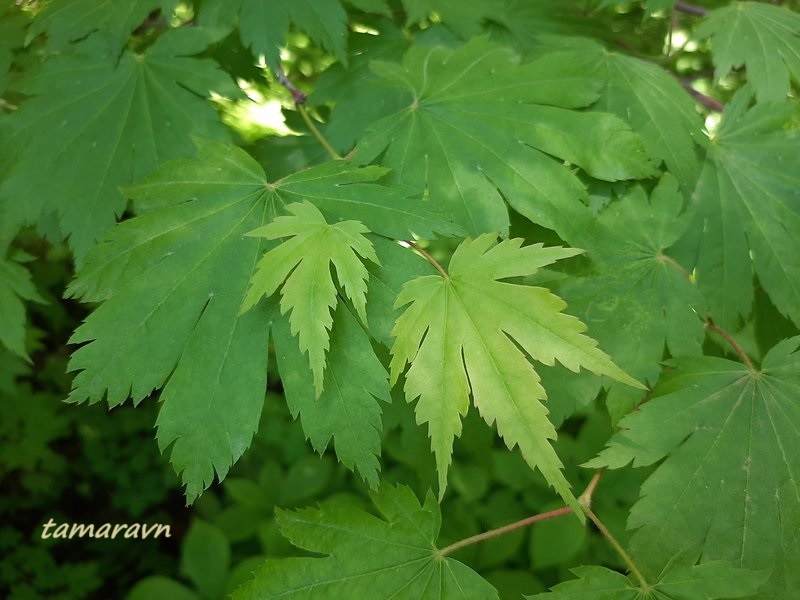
x=711, y=326
x=428, y=257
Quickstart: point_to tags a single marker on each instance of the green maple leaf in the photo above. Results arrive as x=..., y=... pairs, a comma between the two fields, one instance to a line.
x=471, y=332
x=172, y=282
x=728, y=484
x=348, y=409
x=67, y=21
x=263, y=25
x=301, y=266
x=638, y=298
x=121, y=115
x=464, y=18
x=707, y=581
x=366, y=556
x=759, y=36
x=651, y=101
x=15, y=287
x=477, y=128
x=746, y=206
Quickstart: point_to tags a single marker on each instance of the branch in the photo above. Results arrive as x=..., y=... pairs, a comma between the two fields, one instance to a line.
x=707, y=101
x=691, y=9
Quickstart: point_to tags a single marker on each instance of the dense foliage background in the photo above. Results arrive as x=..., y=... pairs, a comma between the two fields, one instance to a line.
x=251, y=217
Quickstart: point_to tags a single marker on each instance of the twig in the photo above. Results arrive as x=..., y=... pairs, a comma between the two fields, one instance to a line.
x=706, y=101
x=427, y=257
x=711, y=326
x=298, y=96
x=691, y=9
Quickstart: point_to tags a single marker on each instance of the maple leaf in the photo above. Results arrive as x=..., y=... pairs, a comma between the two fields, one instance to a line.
x=263, y=24
x=746, y=208
x=172, y=281
x=470, y=331
x=301, y=266
x=477, y=128
x=761, y=37
x=121, y=115
x=464, y=18
x=348, y=408
x=366, y=556
x=67, y=21
x=638, y=298
x=651, y=101
x=15, y=286
x=12, y=36
x=707, y=581
x=728, y=484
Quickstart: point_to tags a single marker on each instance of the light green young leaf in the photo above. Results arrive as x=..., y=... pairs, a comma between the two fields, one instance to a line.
x=478, y=128
x=707, y=581
x=301, y=267
x=746, y=204
x=121, y=115
x=638, y=298
x=472, y=332
x=172, y=282
x=759, y=36
x=394, y=557
x=729, y=483
x=66, y=21
x=348, y=409
x=15, y=287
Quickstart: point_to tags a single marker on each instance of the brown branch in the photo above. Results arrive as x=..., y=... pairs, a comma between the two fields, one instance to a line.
x=707, y=101
x=691, y=9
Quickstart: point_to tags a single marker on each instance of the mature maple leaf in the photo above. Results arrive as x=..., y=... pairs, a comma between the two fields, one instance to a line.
x=121, y=115
x=651, y=101
x=67, y=21
x=759, y=36
x=348, y=408
x=301, y=267
x=707, y=581
x=477, y=128
x=172, y=282
x=637, y=298
x=366, y=556
x=468, y=331
x=748, y=212
x=728, y=485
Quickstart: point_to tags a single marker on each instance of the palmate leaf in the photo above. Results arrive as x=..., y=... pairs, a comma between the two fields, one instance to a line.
x=707, y=581
x=301, y=266
x=759, y=36
x=638, y=299
x=264, y=24
x=471, y=332
x=651, y=101
x=394, y=557
x=12, y=35
x=747, y=203
x=172, y=282
x=477, y=128
x=121, y=115
x=66, y=21
x=464, y=18
x=348, y=409
x=729, y=484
